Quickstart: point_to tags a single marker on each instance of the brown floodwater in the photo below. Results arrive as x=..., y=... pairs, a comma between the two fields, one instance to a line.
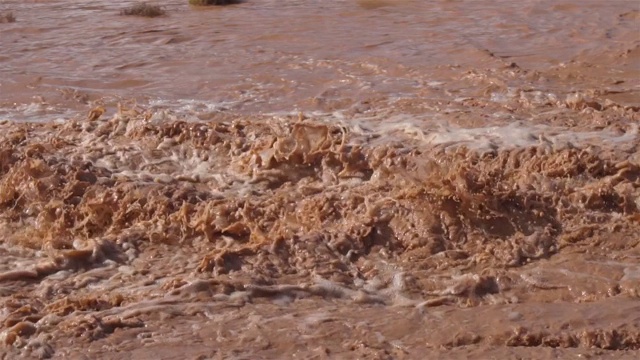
x=376, y=179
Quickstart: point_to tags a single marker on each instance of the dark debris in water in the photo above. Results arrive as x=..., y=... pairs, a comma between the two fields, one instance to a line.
x=7, y=18
x=144, y=10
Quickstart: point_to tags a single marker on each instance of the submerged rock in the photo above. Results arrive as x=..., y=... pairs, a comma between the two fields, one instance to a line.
x=144, y=10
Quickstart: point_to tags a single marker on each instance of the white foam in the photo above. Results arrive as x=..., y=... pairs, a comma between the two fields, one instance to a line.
x=34, y=112
x=514, y=135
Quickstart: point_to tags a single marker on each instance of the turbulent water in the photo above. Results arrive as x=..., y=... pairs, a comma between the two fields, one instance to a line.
x=371, y=179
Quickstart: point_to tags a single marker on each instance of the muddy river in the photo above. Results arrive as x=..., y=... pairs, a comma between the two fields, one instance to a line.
x=347, y=179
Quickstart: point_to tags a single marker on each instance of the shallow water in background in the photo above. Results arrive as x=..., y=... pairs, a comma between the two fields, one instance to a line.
x=324, y=179
x=264, y=56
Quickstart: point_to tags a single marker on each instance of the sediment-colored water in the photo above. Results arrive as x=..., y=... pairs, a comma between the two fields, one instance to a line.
x=345, y=179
